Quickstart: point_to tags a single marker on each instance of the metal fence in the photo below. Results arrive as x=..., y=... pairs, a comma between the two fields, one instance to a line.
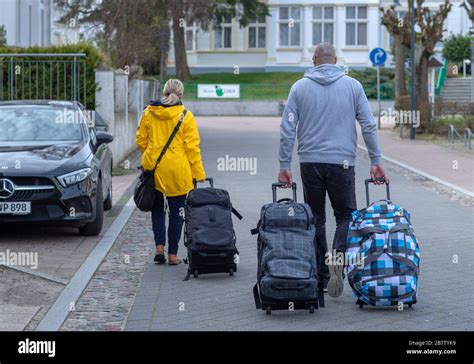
x=45, y=76
x=466, y=138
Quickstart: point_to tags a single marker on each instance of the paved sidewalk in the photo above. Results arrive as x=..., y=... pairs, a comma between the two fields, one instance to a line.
x=27, y=294
x=220, y=302
x=449, y=165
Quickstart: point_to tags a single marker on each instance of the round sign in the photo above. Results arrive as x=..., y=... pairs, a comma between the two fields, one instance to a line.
x=378, y=56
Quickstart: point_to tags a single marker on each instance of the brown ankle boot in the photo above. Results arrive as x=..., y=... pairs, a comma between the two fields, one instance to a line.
x=173, y=259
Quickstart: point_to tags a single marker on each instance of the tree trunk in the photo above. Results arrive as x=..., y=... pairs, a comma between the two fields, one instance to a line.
x=400, y=82
x=422, y=93
x=180, y=57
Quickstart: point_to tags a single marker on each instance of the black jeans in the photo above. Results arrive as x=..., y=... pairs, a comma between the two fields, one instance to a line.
x=339, y=183
x=175, y=222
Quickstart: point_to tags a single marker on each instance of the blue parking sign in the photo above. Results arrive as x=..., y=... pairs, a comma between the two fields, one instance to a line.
x=378, y=56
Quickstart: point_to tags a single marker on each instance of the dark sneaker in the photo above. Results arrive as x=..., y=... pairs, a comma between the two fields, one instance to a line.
x=336, y=282
x=160, y=259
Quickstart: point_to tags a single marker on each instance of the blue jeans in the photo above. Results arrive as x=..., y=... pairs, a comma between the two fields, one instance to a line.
x=339, y=183
x=175, y=221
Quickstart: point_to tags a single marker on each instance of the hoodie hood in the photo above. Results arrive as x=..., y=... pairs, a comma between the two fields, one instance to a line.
x=325, y=74
x=164, y=112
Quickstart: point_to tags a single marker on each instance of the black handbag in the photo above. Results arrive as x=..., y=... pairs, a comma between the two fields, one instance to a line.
x=144, y=193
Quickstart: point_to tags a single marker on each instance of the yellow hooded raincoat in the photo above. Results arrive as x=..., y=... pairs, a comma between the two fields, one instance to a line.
x=182, y=161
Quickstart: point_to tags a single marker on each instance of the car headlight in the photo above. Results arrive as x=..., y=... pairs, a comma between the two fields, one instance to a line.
x=72, y=178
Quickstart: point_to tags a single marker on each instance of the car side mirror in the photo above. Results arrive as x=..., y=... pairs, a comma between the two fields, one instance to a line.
x=104, y=137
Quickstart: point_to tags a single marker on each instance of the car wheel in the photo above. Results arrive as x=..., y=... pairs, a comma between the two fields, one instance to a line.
x=108, y=200
x=95, y=227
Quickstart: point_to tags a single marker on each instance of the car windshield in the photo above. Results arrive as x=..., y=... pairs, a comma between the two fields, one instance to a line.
x=38, y=124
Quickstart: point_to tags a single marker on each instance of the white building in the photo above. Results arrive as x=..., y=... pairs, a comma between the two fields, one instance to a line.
x=286, y=39
x=27, y=22
x=36, y=23
x=71, y=31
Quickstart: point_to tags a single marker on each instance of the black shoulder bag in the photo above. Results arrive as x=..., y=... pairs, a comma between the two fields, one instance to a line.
x=144, y=193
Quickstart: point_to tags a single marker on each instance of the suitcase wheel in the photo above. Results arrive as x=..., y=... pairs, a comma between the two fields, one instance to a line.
x=410, y=304
x=231, y=272
x=268, y=310
x=196, y=273
x=311, y=309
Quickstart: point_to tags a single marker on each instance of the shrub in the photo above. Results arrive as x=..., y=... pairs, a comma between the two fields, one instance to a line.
x=57, y=75
x=457, y=48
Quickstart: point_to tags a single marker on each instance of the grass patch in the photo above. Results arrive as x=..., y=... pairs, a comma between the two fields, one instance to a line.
x=277, y=85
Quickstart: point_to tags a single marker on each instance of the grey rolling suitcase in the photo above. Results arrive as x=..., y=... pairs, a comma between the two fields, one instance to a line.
x=287, y=266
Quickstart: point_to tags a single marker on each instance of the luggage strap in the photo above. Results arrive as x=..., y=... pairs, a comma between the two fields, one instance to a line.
x=236, y=213
x=212, y=213
x=188, y=275
x=170, y=139
x=373, y=257
x=256, y=296
x=374, y=298
x=378, y=230
x=255, y=230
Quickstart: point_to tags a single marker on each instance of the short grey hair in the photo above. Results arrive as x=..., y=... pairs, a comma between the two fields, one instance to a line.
x=324, y=53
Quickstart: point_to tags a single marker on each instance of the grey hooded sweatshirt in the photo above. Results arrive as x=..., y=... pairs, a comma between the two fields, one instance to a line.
x=321, y=111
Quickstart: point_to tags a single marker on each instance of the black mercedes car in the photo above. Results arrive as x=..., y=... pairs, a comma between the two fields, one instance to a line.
x=54, y=165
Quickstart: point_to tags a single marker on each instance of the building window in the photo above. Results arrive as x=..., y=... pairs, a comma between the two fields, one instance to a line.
x=257, y=32
x=356, y=25
x=290, y=26
x=190, y=34
x=323, y=24
x=223, y=34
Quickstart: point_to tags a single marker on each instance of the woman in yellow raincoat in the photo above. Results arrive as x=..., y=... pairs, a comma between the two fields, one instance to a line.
x=181, y=164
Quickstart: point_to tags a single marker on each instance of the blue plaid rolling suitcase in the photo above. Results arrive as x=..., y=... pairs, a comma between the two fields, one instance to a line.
x=383, y=253
x=287, y=268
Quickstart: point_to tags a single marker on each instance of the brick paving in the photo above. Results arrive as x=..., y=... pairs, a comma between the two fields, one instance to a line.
x=106, y=302
x=220, y=302
x=144, y=296
x=61, y=251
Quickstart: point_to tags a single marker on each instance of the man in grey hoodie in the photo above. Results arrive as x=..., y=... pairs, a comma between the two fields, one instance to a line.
x=321, y=111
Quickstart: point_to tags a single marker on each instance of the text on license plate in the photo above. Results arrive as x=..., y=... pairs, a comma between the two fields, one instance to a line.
x=15, y=208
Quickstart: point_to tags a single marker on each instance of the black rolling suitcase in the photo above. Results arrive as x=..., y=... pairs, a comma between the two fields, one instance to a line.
x=287, y=266
x=208, y=232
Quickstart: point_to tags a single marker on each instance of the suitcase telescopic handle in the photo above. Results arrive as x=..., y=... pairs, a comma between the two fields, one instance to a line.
x=372, y=180
x=210, y=180
x=283, y=185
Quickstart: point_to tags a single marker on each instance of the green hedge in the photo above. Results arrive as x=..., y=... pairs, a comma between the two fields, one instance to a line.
x=31, y=73
x=457, y=48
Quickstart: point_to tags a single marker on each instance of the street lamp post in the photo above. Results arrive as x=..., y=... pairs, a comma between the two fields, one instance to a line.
x=393, y=5
x=413, y=71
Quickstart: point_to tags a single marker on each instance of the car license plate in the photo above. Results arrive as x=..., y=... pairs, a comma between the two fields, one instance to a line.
x=15, y=208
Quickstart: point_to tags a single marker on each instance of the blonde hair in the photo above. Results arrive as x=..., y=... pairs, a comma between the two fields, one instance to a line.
x=172, y=92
